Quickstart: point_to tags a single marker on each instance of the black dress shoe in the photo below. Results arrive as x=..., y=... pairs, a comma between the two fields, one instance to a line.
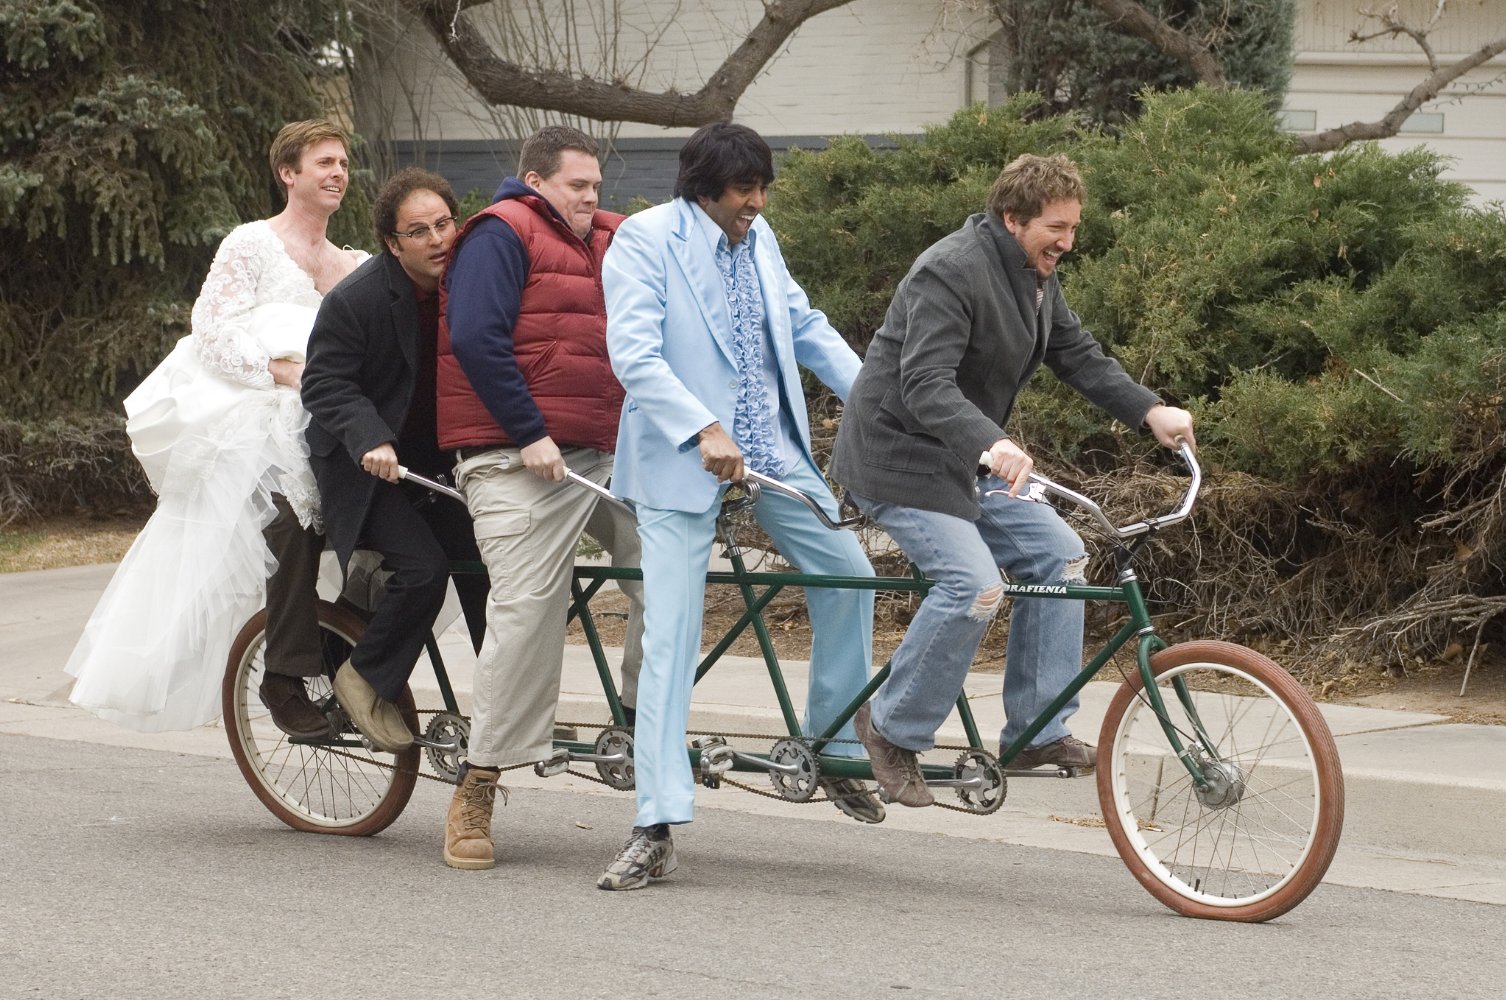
x=288, y=703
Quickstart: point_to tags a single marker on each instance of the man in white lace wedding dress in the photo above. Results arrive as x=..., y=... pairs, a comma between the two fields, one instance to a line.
x=218, y=427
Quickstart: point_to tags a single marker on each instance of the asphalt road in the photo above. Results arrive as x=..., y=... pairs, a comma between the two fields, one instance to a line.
x=138, y=873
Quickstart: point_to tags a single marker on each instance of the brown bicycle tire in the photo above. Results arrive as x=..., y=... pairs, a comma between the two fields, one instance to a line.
x=1136, y=830
x=309, y=771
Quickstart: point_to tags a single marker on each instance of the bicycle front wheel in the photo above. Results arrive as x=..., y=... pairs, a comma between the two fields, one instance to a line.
x=1258, y=837
x=317, y=786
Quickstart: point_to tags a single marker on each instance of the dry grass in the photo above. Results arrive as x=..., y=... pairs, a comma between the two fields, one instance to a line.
x=67, y=541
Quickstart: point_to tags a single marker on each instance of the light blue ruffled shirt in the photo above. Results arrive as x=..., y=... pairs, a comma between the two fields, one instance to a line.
x=770, y=454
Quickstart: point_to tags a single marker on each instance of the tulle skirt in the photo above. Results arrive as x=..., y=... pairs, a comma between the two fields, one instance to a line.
x=153, y=653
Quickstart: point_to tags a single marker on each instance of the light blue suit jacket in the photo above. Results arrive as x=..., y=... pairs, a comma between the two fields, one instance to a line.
x=669, y=333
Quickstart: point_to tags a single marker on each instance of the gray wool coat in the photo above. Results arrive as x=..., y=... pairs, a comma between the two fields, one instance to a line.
x=961, y=338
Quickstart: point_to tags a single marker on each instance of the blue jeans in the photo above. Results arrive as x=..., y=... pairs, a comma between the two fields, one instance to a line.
x=676, y=546
x=1032, y=544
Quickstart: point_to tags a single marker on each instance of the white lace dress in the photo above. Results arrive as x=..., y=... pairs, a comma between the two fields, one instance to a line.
x=217, y=437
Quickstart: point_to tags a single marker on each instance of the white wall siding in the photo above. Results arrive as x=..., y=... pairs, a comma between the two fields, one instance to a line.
x=1341, y=82
x=873, y=66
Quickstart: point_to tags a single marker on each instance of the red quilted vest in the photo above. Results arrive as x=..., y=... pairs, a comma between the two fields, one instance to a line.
x=560, y=337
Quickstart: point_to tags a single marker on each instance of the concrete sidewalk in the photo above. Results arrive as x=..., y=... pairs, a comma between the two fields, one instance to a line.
x=1425, y=798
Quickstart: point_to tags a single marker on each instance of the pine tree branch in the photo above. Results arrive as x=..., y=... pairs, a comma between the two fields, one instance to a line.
x=499, y=81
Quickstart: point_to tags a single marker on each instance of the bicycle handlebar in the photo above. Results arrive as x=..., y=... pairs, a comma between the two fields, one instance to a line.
x=601, y=491
x=403, y=472
x=755, y=481
x=1041, y=484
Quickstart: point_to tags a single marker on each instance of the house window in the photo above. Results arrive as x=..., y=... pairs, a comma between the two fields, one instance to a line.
x=1425, y=122
x=1298, y=121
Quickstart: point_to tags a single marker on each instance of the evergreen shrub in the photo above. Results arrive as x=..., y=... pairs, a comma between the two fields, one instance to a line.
x=133, y=137
x=1337, y=324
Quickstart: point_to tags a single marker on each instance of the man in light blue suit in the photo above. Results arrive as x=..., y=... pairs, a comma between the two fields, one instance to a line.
x=706, y=330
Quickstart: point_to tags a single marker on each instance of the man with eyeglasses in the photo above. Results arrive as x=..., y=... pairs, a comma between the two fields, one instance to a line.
x=369, y=388
x=525, y=392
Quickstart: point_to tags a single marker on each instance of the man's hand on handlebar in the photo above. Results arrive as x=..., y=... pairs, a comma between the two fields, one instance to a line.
x=1171, y=425
x=1009, y=462
x=719, y=456
x=543, y=459
x=381, y=462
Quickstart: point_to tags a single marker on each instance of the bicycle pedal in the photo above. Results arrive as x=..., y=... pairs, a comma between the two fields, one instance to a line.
x=716, y=759
x=557, y=762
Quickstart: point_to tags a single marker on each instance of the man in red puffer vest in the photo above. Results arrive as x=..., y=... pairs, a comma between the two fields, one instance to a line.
x=525, y=391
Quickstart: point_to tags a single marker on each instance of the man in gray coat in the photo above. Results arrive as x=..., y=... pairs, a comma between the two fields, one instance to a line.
x=977, y=314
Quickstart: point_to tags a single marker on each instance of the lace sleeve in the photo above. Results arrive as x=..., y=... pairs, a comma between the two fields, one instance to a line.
x=222, y=312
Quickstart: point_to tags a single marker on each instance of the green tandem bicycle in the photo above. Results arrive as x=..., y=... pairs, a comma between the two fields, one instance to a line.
x=1218, y=779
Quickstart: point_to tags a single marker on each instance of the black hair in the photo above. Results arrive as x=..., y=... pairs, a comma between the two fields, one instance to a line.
x=721, y=154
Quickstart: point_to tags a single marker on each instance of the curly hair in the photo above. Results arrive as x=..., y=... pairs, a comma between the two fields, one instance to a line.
x=396, y=191
x=1030, y=182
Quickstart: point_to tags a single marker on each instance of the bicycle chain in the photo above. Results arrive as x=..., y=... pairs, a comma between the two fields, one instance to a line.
x=689, y=732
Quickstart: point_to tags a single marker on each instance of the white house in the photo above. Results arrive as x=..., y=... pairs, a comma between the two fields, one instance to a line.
x=1335, y=82
x=874, y=67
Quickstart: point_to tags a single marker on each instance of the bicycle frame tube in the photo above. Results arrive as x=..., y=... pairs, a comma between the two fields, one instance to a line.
x=1127, y=592
x=441, y=676
x=580, y=609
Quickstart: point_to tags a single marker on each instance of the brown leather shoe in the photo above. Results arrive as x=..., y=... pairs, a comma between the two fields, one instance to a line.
x=1069, y=751
x=288, y=704
x=468, y=825
x=894, y=768
x=378, y=719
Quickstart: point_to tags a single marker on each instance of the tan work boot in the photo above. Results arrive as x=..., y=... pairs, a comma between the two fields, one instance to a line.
x=468, y=825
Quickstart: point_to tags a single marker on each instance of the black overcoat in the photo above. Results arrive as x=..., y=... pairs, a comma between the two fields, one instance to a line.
x=357, y=386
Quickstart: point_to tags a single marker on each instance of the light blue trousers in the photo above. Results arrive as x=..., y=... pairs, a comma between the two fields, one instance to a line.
x=676, y=547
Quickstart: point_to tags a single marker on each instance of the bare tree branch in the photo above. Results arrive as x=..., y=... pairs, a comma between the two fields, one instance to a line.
x=1427, y=90
x=1132, y=18
x=500, y=81
x=1392, y=25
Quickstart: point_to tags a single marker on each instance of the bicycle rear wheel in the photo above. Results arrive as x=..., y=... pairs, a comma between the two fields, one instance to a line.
x=1258, y=839
x=317, y=786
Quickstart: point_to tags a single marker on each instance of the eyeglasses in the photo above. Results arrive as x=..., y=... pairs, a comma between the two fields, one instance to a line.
x=441, y=227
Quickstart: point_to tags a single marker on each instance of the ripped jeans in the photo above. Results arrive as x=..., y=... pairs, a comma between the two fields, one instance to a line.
x=1032, y=544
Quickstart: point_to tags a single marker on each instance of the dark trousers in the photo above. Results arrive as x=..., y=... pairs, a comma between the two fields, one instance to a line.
x=416, y=544
x=293, y=643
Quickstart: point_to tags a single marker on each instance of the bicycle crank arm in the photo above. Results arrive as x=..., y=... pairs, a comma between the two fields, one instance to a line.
x=1055, y=772
x=976, y=781
x=766, y=764
x=560, y=760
